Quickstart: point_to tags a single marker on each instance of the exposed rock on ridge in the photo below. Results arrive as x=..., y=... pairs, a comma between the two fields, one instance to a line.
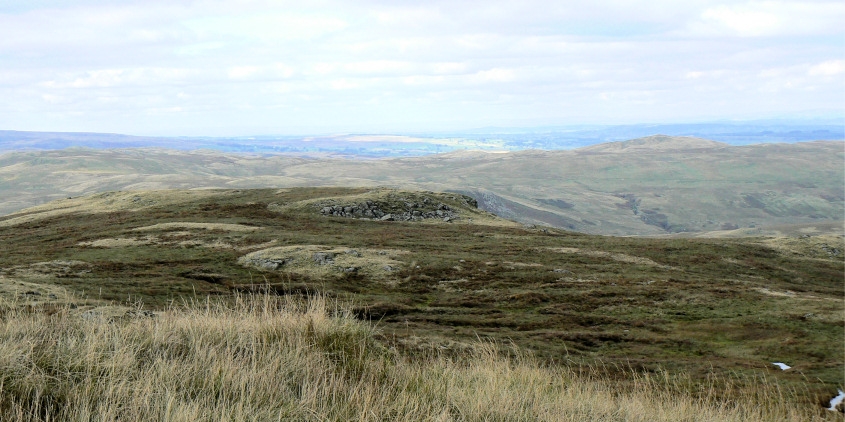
x=397, y=209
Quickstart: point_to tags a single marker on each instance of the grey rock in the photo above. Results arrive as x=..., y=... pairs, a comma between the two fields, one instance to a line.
x=323, y=258
x=353, y=252
x=410, y=210
x=269, y=264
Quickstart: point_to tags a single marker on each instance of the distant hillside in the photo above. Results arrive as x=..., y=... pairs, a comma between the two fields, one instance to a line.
x=381, y=145
x=657, y=143
x=649, y=186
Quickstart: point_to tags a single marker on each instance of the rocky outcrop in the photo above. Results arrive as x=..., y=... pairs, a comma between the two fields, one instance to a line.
x=402, y=210
x=267, y=263
x=322, y=260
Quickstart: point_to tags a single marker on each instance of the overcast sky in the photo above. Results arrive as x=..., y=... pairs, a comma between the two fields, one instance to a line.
x=154, y=67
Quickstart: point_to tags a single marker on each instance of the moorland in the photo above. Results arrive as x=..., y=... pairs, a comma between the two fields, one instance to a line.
x=427, y=275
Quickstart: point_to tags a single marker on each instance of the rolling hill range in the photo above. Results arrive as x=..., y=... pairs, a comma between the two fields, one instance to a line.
x=436, y=273
x=649, y=186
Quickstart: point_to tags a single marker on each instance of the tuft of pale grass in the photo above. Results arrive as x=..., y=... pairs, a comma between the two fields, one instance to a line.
x=262, y=358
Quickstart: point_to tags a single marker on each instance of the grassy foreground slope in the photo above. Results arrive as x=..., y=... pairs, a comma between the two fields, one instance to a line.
x=649, y=186
x=268, y=359
x=713, y=309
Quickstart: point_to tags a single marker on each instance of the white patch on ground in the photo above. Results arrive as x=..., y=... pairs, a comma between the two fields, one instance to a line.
x=836, y=400
x=204, y=226
x=619, y=257
x=781, y=365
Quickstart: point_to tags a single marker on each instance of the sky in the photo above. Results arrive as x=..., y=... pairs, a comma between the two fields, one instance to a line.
x=236, y=68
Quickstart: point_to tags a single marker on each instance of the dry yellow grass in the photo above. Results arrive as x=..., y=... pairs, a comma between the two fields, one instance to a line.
x=268, y=358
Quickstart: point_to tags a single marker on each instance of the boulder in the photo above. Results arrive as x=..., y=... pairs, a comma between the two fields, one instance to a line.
x=324, y=258
x=353, y=252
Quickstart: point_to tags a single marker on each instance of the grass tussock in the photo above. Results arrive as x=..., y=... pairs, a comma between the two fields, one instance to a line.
x=270, y=358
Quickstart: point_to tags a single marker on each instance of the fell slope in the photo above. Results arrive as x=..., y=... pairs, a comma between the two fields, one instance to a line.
x=705, y=307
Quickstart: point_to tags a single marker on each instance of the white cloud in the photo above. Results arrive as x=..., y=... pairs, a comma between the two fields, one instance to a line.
x=494, y=75
x=771, y=18
x=343, y=83
x=271, y=28
x=828, y=68
x=446, y=68
x=379, y=67
x=107, y=78
x=744, y=21
x=180, y=67
x=243, y=72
